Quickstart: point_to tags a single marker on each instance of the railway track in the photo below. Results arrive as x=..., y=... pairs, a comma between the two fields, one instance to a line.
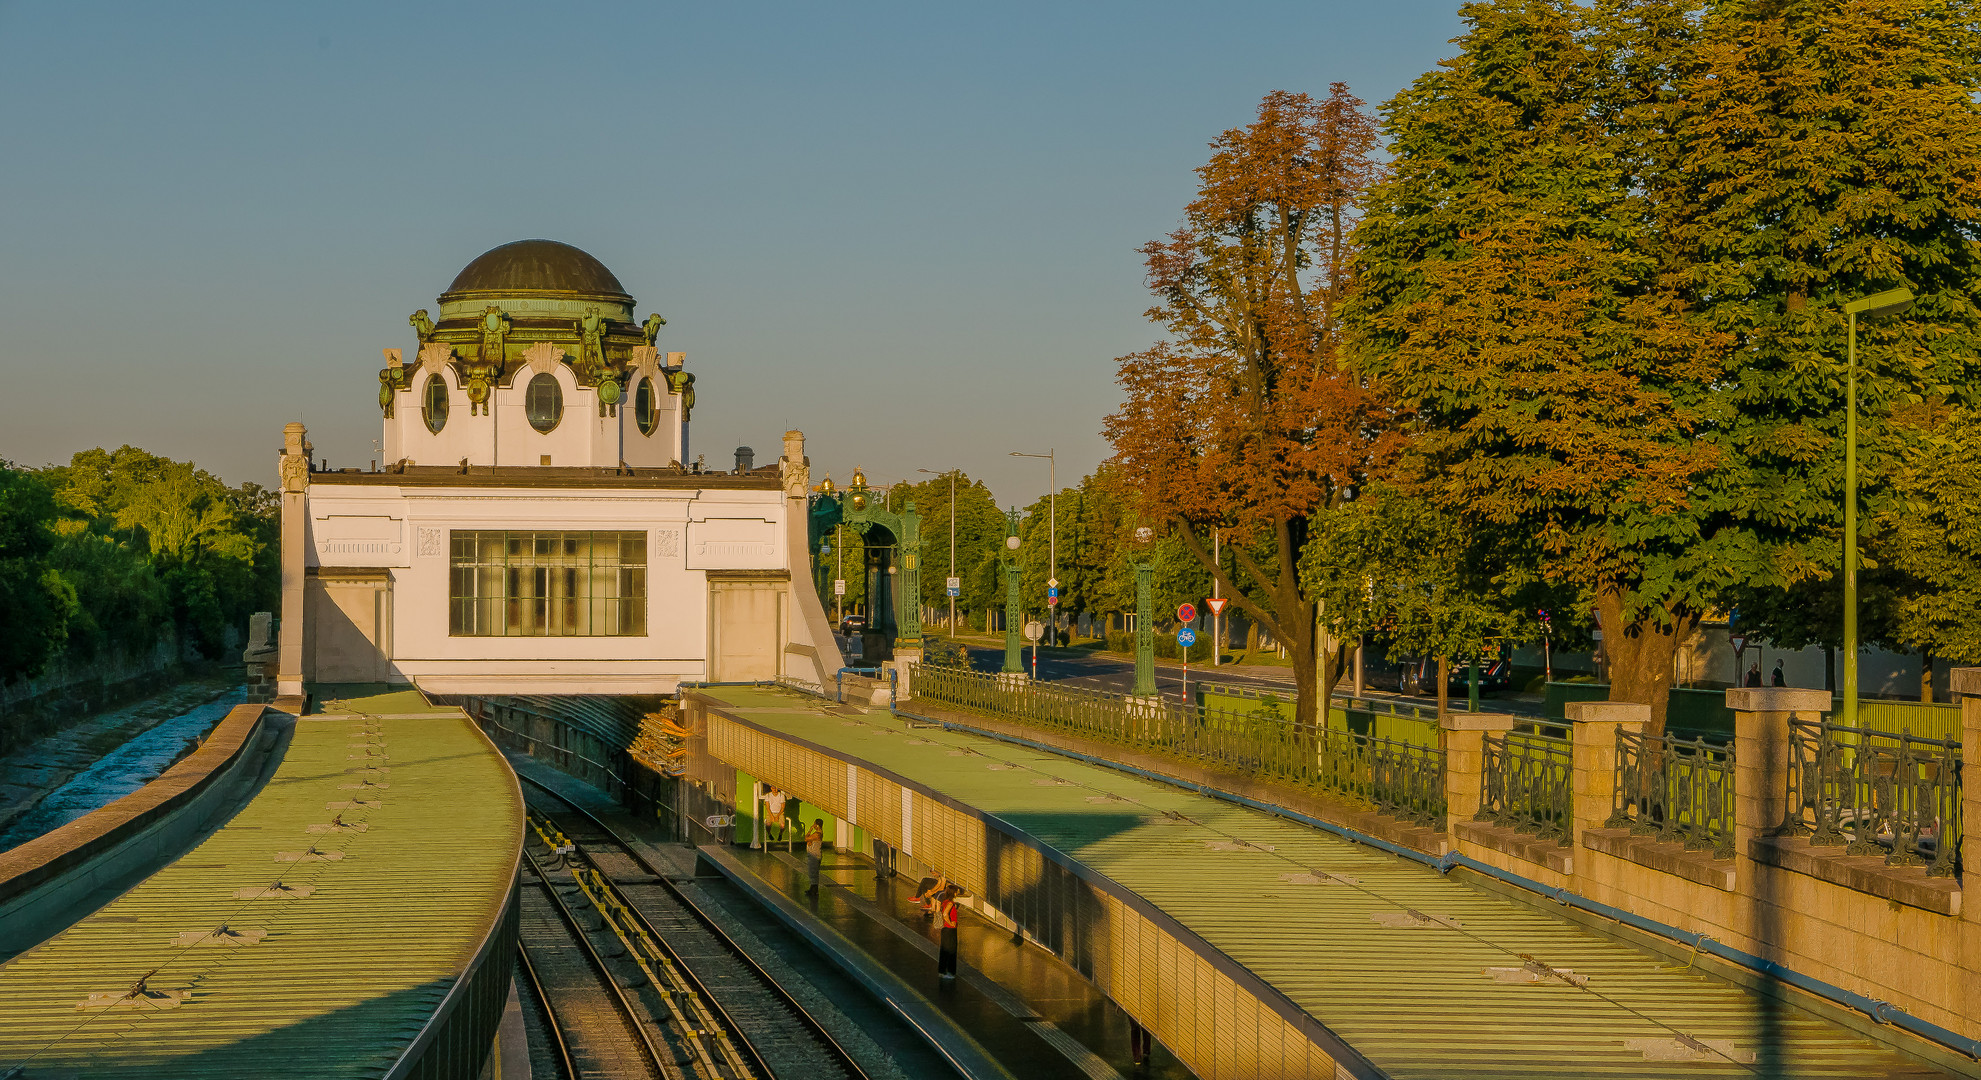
x=768, y=1032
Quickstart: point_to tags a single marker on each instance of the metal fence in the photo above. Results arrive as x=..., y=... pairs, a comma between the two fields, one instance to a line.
x=1528, y=785
x=1395, y=777
x=1878, y=792
x=1676, y=789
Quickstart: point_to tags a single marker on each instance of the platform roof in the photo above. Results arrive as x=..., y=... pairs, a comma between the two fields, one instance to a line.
x=335, y=983
x=1329, y=923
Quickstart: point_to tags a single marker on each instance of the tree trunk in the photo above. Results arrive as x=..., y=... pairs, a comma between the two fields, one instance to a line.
x=1829, y=669
x=1444, y=687
x=1641, y=655
x=1925, y=675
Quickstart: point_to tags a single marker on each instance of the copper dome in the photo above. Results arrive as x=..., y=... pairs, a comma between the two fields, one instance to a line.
x=535, y=268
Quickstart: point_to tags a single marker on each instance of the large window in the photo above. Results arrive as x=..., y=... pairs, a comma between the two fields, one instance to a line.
x=548, y=584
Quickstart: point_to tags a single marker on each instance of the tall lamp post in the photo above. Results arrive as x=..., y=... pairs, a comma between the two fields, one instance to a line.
x=1052, y=528
x=1889, y=302
x=952, y=545
x=1014, y=660
x=1145, y=631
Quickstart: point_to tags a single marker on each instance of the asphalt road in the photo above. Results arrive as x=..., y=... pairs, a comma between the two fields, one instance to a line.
x=1099, y=671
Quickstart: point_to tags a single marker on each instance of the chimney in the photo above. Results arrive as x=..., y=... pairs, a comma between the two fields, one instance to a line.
x=746, y=459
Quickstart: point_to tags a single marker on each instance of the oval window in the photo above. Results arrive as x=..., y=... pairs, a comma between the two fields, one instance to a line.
x=433, y=403
x=643, y=410
x=544, y=401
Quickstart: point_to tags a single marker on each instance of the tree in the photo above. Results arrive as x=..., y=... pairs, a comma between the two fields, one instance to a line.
x=1242, y=419
x=1829, y=151
x=38, y=603
x=1928, y=532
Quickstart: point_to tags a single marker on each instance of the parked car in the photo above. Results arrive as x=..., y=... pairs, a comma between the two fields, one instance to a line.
x=1419, y=675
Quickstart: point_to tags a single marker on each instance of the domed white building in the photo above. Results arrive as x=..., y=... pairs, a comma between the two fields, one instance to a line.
x=537, y=525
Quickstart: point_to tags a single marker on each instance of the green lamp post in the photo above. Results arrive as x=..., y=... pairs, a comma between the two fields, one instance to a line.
x=1013, y=649
x=1145, y=621
x=1889, y=302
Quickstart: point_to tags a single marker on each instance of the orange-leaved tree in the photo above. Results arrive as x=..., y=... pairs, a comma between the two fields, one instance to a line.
x=1242, y=420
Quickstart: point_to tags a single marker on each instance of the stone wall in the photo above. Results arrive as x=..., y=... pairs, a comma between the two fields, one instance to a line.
x=1891, y=933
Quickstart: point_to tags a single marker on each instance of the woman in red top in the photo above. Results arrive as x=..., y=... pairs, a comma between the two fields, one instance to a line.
x=946, y=959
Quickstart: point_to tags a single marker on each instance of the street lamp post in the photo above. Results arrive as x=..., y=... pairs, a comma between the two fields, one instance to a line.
x=1014, y=658
x=1145, y=633
x=1889, y=302
x=952, y=545
x=1052, y=528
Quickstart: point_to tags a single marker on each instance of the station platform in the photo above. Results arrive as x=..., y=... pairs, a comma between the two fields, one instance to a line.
x=354, y=919
x=1399, y=971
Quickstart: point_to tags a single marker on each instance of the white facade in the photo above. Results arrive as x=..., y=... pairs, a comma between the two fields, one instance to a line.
x=543, y=541
x=585, y=434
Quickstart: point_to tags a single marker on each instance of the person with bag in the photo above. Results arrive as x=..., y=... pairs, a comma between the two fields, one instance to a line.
x=945, y=966
x=814, y=853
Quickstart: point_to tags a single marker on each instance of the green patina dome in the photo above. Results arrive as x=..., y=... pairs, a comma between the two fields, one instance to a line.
x=543, y=268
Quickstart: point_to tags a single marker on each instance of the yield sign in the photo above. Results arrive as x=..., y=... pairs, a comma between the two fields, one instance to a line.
x=1216, y=604
x=1739, y=643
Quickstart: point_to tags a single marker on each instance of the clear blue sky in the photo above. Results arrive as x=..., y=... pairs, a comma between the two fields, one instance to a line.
x=909, y=229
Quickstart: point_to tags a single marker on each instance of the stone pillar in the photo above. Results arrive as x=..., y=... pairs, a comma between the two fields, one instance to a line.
x=1464, y=738
x=1760, y=764
x=295, y=473
x=1592, y=727
x=1966, y=685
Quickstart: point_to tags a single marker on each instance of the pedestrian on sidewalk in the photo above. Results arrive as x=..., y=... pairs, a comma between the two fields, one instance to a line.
x=945, y=966
x=814, y=853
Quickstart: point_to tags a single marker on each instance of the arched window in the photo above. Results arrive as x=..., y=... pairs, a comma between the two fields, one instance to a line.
x=433, y=404
x=643, y=407
x=544, y=401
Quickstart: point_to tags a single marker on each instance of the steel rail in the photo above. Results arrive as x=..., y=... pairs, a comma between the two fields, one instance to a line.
x=662, y=1067
x=549, y=1013
x=817, y=1028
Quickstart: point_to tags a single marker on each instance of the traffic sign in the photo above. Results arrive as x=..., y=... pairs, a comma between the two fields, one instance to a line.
x=1052, y=601
x=1739, y=644
x=956, y=583
x=1216, y=604
x=839, y=587
x=1186, y=613
x=1052, y=583
x=1035, y=630
x=1052, y=592
x=954, y=591
x=1186, y=637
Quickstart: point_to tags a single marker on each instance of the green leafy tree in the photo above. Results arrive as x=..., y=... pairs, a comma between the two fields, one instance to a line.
x=37, y=602
x=1929, y=532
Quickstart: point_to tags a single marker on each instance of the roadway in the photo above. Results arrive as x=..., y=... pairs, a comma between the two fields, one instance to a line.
x=1115, y=674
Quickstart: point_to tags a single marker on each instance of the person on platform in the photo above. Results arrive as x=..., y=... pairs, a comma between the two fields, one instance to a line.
x=814, y=853
x=774, y=815
x=946, y=960
x=1754, y=674
x=925, y=894
x=1781, y=679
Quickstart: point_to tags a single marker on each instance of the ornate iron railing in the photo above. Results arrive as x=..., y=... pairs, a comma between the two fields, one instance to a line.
x=1878, y=792
x=1528, y=784
x=1675, y=789
x=1396, y=777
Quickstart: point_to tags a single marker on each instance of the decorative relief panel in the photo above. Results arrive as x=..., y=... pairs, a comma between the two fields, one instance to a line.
x=667, y=543
x=733, y=544
x=432, y=542
x=360, y=540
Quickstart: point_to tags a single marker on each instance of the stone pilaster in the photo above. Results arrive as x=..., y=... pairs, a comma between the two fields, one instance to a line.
x=1761, y=717
x=1464, y=738
x=1593, y=726
x=295, y=474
